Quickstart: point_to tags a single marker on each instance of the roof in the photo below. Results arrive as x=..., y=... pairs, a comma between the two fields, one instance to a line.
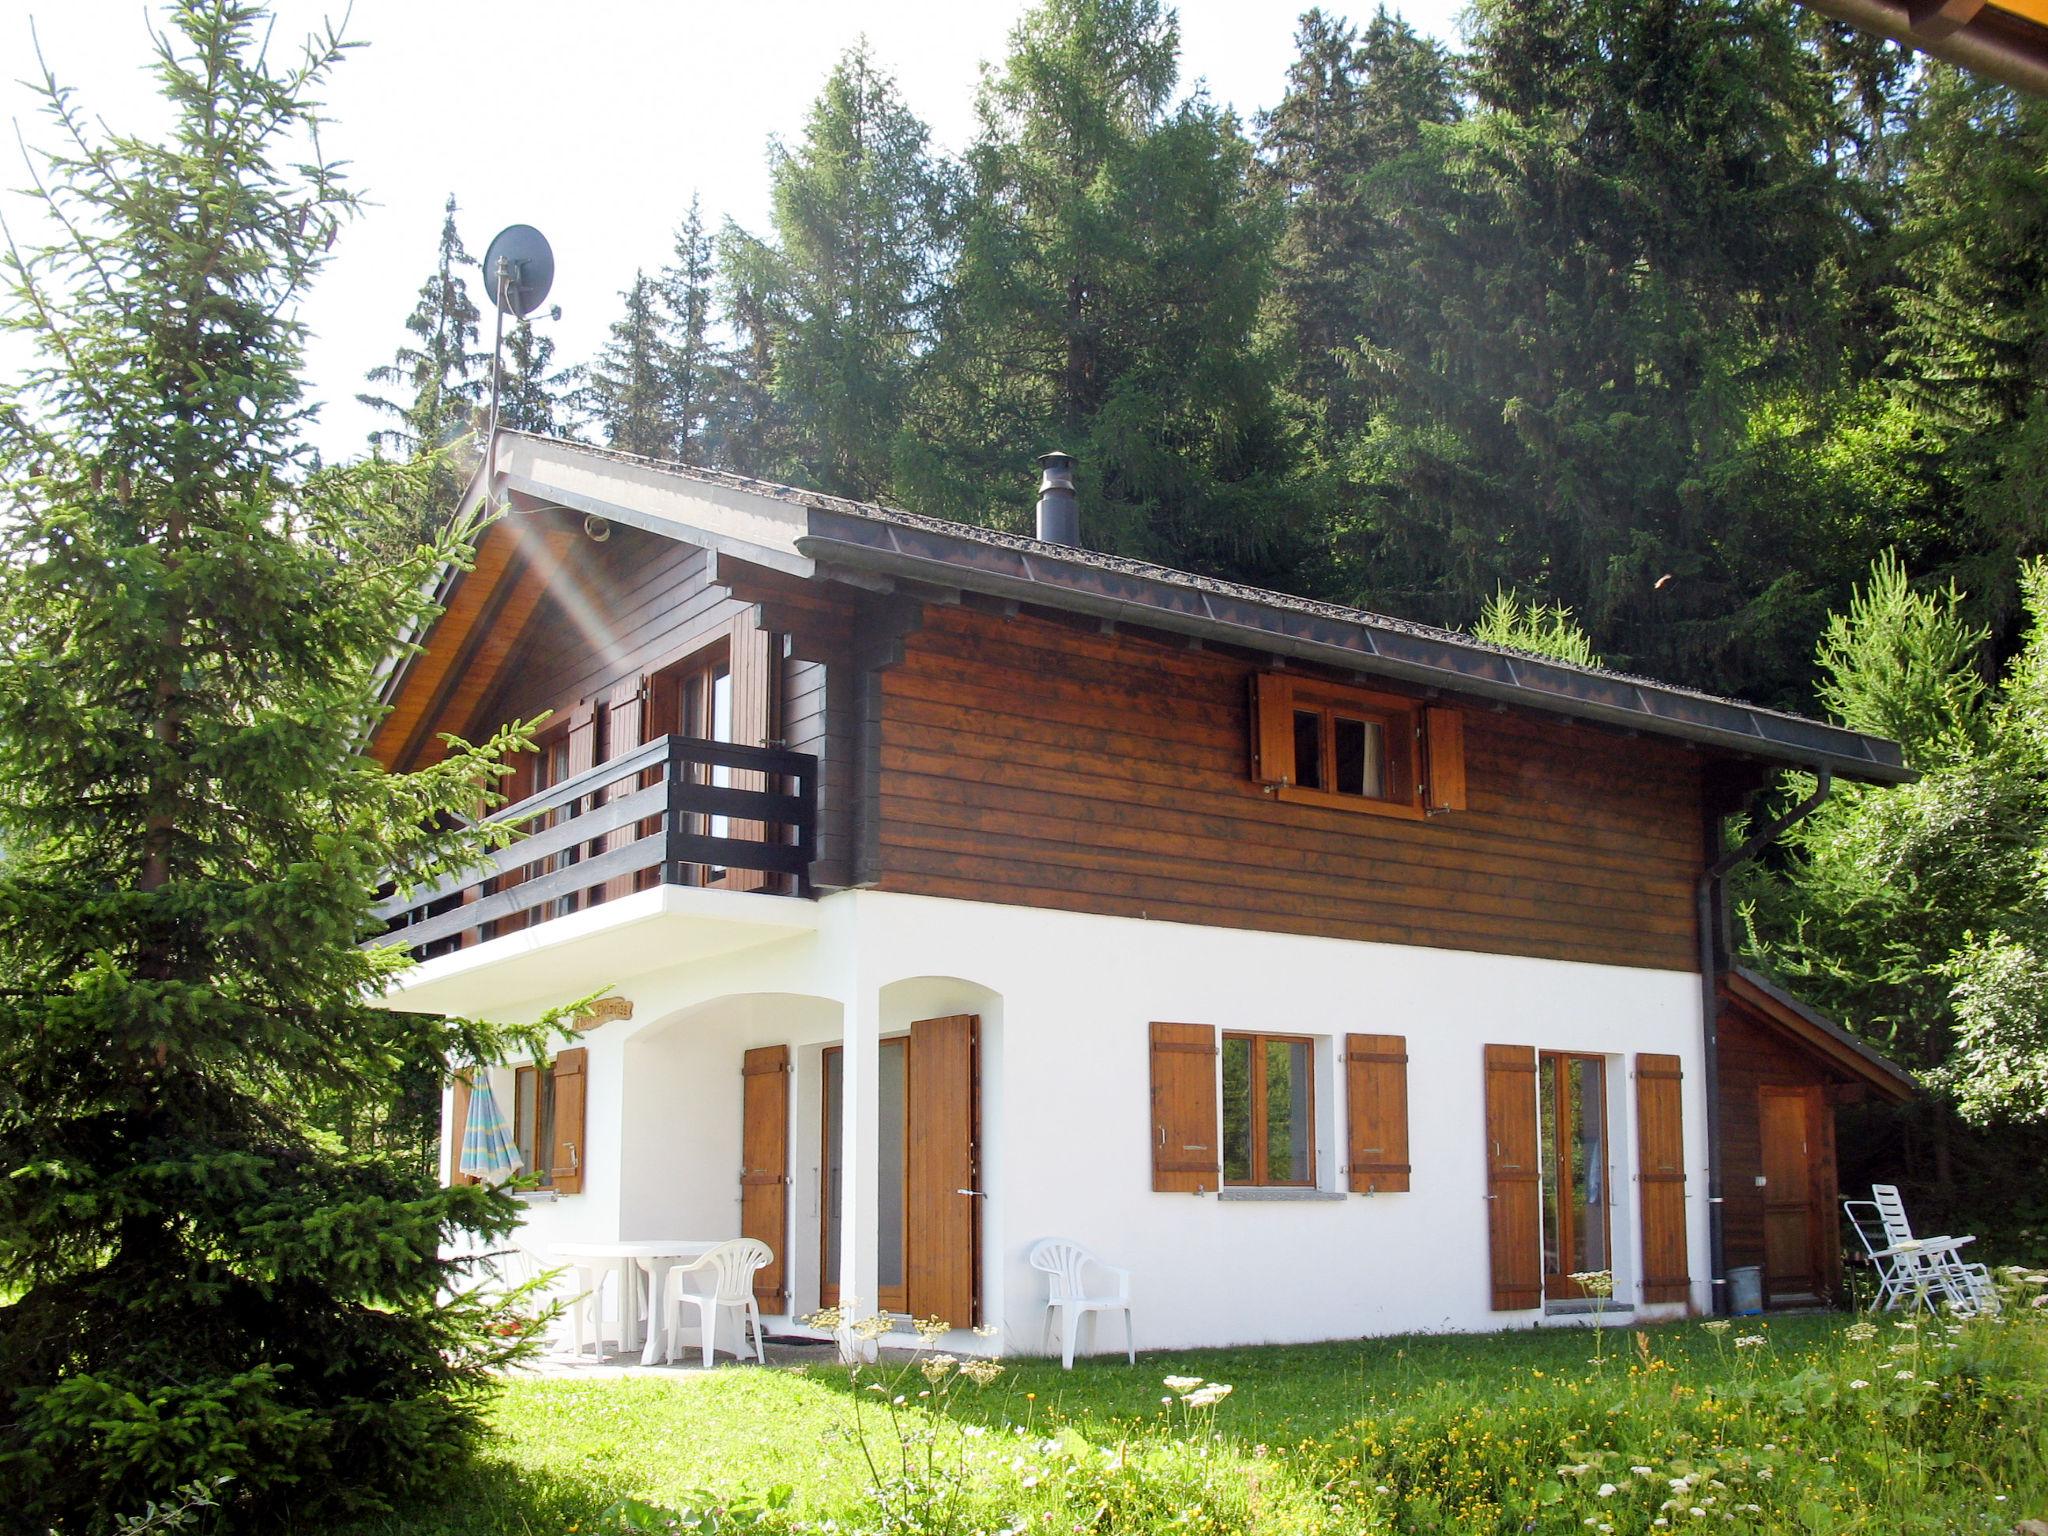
x=2004, y=39
x=1819, y=1035
x=808, y=533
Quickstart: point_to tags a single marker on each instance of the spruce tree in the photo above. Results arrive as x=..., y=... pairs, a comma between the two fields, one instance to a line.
x=533, y=394
x=627, y=388
x=686, y=292
x=860, y=209
x=434, y=383
x=202, y=1284
x=441, y=374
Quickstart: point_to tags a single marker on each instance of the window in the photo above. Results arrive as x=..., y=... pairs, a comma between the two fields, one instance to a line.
x=533, y=1122
x=1317, y=743
x=1268, y=1110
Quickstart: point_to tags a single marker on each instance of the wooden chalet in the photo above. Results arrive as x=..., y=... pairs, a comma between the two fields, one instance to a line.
x=955, y=889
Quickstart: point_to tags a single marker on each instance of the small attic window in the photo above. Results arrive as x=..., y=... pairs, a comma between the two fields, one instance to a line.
x=1317, y=743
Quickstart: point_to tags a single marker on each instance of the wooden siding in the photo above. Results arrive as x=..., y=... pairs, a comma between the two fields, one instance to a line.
x=1751, y=1056
x=631, y=605
x=1045, y=764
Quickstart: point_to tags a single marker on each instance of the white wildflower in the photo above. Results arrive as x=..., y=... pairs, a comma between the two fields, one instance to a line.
x=1902, y=1375
x=1183, y=1383
x=1858, y=1386
x=1750, y=1341
x=1605, y=1490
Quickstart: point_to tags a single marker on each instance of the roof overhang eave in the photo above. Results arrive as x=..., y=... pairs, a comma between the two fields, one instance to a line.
x=887, y=549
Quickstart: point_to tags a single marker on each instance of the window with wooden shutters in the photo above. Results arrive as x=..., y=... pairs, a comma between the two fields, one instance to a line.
x=1512, y=1178
x=1185, y=1158
x=1316, y=743
x=1660, y=1164
x=571, y=1081
x=764, y=1165
x=1376, y=1108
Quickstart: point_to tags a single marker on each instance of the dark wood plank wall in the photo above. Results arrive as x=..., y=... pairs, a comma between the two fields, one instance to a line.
x=632, y=605
x=1751, y=1055
x=1042, y=764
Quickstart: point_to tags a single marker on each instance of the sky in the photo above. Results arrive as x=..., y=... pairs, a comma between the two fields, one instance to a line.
x=593, y=122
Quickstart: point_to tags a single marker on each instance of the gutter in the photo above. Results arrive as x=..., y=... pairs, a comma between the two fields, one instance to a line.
x=1710, y=896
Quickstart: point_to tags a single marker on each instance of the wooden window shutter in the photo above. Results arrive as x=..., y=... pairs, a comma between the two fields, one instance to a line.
x=458, y=1116
x=625, y=718
x=1185, y=1156
x=571, y=1079
x=753, y=656
x=1513, y=1191
x=1660, y=1162
x=941, y=1198
x=1272, y=705
x=764, y=1165
x=1376, y=1105
x=1443, y=742
x=582, y=738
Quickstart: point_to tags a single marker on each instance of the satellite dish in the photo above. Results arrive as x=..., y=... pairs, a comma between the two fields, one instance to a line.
x=520, y=268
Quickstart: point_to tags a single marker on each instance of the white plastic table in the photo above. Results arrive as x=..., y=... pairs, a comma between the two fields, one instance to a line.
x=652, y=1258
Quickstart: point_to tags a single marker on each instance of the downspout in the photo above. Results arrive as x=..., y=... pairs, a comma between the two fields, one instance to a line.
x=1711, y=904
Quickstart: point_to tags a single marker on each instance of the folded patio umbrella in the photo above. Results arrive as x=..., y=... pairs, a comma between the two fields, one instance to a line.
x=487, y=1149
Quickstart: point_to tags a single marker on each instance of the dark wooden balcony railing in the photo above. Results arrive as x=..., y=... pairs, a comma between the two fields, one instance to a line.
x=678, y=826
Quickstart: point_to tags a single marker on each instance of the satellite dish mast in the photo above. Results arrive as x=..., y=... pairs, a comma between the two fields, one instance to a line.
x=520, y=268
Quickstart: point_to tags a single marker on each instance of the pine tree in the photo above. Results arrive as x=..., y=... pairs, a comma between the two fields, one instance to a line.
x=627, y=388
x=1112, y=264
x=747, y=431
x=686, y=292
x=200, y=1283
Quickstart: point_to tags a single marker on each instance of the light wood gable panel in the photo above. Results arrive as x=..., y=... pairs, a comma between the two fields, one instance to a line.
x=468, y=667
x=1039, y=764
x=474, y=593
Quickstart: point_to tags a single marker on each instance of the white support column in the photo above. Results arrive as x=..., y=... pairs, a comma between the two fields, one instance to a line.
x=860, y=1193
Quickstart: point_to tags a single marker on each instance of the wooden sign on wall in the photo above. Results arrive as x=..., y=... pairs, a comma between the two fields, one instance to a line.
x=604, y=1011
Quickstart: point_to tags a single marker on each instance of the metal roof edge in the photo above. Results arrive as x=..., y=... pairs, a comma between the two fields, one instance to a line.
x=1385, y=649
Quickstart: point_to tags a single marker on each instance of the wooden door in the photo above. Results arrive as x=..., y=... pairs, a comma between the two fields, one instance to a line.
x=1512, y=1188
x=942, y=1202
x=1785, y=1121
x=764, y=1166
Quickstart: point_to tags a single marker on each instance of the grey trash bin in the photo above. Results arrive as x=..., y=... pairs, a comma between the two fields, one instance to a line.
x=1745, y=1290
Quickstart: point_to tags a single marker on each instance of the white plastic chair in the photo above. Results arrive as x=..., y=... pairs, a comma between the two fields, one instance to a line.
x=1067, y=1266
x=732, y=1266
x=1969, y=1287
x=1901, y=1271
x=586, y=1301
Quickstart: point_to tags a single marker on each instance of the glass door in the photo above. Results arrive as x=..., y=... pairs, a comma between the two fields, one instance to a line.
x=695, y=699
x=893, y=1146
x=1571, y=1113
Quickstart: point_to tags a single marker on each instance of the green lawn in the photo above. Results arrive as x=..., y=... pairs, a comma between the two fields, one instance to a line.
x=1813, y=1429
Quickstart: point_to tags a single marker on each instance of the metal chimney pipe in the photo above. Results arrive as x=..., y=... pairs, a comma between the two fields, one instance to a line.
x=1059, y=509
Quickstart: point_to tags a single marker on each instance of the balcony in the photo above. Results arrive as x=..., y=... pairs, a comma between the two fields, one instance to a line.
x=679, y=811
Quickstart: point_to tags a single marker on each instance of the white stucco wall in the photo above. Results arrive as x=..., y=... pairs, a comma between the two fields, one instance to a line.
x=1066, y=1000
